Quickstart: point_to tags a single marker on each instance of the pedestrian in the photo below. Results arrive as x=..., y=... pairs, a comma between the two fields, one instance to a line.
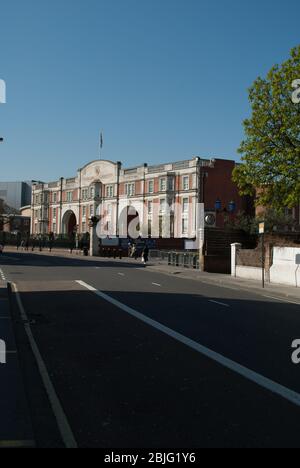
x=1, y=249
x=129, y=249
x=145, y=255
x=133, y=251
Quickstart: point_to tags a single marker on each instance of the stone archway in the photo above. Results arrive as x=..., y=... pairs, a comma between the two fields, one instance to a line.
x=69, y=223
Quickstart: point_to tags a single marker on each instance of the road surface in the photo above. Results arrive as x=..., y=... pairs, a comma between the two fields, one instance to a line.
x=136, y=358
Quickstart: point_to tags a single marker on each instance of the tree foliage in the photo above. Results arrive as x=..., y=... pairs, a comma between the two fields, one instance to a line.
x=271, y=150
x=275, y=221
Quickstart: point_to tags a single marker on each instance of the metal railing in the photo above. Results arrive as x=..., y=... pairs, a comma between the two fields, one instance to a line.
x=176, y=259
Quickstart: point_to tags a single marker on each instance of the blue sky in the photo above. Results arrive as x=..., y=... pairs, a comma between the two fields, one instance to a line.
x=165, y=79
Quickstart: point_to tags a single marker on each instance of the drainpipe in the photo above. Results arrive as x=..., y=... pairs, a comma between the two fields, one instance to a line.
x=118, y=198
x=61, y=204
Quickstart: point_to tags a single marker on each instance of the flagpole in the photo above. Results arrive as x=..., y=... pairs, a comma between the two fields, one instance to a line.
x=101, y=144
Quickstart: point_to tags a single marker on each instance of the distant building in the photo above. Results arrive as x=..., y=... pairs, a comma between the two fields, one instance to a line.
x=15, y=224
x=147, y=192
x=16, y=194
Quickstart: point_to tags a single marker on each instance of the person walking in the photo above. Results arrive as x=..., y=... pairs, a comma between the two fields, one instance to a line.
x=133, y=251
x=145, y=256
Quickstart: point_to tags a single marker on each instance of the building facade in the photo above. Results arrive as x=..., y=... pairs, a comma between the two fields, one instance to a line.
x=15, y=194
x=146, y=194
x=15, y=224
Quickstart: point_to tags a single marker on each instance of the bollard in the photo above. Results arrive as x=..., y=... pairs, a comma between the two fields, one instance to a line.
x=120, y=254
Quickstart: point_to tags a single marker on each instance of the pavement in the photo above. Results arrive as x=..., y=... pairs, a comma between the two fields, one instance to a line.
x=17, y=430
x=141, y=357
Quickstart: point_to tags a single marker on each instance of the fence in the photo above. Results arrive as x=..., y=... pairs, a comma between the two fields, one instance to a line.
x=176, y=259
x=59, y=242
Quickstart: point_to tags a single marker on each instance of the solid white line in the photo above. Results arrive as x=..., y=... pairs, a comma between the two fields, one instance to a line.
x=249, y=374
x=157, y=284
x=220, y=303
x=62, y=422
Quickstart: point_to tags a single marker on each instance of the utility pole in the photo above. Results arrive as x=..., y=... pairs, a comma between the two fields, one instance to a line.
x=263, y=256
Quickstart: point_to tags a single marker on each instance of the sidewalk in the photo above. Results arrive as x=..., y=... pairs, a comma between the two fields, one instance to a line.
x=15, y=424
x=279, y=291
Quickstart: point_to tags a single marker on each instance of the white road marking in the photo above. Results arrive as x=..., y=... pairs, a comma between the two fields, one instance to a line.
x=156, y=284
x=62, y=422
x=249, y=374
x=121, y=274
x=220, y=303
x=2, y=275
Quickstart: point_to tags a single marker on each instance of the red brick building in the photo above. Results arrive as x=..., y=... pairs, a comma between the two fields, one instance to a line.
x=146, y=192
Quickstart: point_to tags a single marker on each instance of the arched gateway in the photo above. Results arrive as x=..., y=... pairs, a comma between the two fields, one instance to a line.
x=69, y=222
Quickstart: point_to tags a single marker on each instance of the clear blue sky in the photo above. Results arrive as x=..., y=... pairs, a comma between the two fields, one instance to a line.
x=165, y=79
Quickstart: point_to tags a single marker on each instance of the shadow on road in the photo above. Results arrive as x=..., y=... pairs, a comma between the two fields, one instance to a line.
x=37, y=260
x=125, y=384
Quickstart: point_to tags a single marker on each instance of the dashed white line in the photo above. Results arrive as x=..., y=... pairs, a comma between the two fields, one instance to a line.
x=2, y=275
x=252, y=376
x=219, y=303
x=121, y=274
x=157, y=284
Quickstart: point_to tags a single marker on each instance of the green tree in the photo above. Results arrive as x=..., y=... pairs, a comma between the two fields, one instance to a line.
x=271, y=150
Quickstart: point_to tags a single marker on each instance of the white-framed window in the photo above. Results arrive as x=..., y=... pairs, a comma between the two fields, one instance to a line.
x=185, y=226
x=54, y=199
x=130, y=189
x=83, y=228
x=92, y=210
x=162, y=207
x=54, y=213
x=92, y=192
x=54, y=228
x=185, y=206
x=151, y=186
x=84, y=211
x=162, y=185
x=171, y=184
x=186, y=183
x=150, y=207
x=109, y=191
x=84, y=194
x=69, y=197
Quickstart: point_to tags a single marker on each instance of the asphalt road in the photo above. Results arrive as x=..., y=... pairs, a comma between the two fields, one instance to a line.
x=123, y=380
